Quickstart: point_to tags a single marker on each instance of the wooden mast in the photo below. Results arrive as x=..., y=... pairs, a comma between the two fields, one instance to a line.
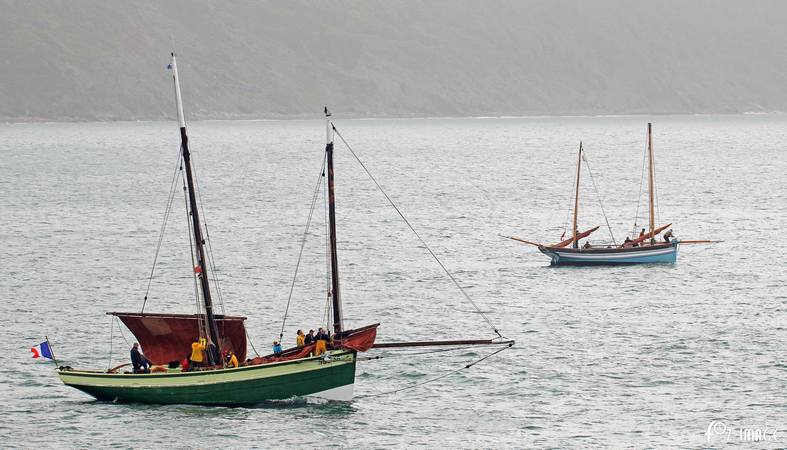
x=651, y=215
x=575, y=244
x=202, y=267
x=336, y=298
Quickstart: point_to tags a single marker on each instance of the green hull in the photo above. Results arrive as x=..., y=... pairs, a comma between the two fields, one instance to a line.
x=331, y=378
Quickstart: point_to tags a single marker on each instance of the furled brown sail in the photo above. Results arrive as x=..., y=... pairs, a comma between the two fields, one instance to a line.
x=168, y=337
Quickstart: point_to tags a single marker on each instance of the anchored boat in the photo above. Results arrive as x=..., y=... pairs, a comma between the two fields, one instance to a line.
x=649, y=253
x=645, y=248
x=166, y=337
x=295, y=372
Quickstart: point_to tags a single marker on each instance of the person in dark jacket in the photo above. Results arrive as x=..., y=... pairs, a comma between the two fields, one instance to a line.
x=309, y=338
x=138, y=360
x=322, y=335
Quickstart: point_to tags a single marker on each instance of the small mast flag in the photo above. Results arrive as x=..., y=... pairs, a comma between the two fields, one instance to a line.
x=42, y=350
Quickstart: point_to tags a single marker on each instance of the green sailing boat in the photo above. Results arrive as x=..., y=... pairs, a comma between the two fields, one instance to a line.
x=166, y=337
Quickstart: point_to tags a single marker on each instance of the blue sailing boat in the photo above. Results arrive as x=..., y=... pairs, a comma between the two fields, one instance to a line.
x=644, y=249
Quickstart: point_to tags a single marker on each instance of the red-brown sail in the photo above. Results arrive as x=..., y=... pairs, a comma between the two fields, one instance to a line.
x=647, y=235
x=359, y=339
x=571, y=239
x=168, y=337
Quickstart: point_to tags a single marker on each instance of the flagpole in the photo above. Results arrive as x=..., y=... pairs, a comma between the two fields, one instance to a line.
x=51, y=350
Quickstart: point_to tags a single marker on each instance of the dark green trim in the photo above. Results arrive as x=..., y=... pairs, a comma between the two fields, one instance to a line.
x=229, y=392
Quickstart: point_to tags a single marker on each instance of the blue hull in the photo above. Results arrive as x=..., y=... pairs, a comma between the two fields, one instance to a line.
x=659, y=253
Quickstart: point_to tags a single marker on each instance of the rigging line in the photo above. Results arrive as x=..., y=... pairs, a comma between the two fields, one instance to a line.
x=639, y=196
x=656, y=193
x=248, y=338
x=111, y=337
x=167, y=211
x=326, y=310
x=328, y=282
x=327, y=316
x=210, y=261
x=598, y=196
x=442, y=350
x=570, y=206
x=303, y=245
x=214, y=272
x=655, y=189
x=210, y=258
x=201, y=326
x=440, y=377
x=391, y=202
x=120, y=329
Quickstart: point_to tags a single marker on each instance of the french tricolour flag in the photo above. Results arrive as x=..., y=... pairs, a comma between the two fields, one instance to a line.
x=42, y=350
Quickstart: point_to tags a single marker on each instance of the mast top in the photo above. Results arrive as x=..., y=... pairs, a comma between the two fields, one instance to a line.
x=575, y=231
x=178, y=99
x=328, y=127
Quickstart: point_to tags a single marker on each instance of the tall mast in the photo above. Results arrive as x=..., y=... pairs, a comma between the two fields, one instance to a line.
x=335, y=292
x=202, y=268
x=575, y=244
x=650, y=183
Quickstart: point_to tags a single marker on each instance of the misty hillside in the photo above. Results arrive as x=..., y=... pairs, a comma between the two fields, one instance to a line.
x=105, y=60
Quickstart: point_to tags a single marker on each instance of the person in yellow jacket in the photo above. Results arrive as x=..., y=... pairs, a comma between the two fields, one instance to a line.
x=322, y=339
x=300, y=339
x=197, y=358
x=320, y=347
x=232, y=360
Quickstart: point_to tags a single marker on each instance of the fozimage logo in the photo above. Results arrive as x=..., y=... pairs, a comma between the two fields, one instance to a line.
x=719, y=430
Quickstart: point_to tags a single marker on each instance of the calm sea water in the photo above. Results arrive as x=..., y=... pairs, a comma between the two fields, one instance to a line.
x=606, y=356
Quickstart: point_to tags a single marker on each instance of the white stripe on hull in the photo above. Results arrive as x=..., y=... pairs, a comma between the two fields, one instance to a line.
x=341, y=393
x=616, y=256
x=604, y=256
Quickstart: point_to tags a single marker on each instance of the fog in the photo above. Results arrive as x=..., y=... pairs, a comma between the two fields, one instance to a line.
x=105, y=60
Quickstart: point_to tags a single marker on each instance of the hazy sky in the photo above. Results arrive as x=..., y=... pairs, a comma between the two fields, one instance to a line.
x=105, y=60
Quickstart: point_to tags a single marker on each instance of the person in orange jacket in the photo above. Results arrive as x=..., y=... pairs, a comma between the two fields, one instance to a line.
x=231, y=359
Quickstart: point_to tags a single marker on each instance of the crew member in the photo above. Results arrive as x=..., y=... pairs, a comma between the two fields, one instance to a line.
x=231, y=360
x=197, y=358
x=668, y=235
x=138, y=360
x=627, y=242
